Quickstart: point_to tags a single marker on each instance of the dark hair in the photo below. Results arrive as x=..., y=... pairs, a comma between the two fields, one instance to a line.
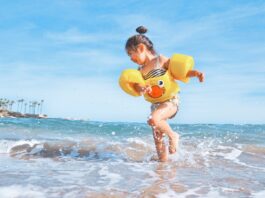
x=135, y=40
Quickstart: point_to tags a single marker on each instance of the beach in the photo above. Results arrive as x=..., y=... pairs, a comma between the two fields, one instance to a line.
x=78, y=158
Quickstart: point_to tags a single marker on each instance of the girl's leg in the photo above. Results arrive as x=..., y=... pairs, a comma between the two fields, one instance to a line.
x=160, y=145
x=159, y=121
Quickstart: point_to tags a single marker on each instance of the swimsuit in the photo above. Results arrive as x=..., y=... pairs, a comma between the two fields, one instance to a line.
x=159, y=71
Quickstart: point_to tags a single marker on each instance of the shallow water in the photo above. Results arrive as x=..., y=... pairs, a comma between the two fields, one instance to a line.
x=74, y=158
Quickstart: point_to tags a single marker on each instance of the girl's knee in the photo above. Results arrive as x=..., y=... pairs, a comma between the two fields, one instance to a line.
x=153, y=121
x=149, y=121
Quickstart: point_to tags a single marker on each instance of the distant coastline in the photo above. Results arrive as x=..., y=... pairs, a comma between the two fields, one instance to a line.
x=11, y=114
x=31, y=109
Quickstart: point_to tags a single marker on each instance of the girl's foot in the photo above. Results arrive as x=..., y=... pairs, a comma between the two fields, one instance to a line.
x=173, y=143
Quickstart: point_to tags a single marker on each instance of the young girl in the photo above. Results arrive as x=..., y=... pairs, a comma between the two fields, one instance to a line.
x=142, y=52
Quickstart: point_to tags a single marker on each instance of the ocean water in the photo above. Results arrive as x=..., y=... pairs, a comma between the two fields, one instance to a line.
x=75, y=158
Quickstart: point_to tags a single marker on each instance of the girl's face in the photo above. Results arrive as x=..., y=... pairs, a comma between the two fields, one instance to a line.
x=139, y=55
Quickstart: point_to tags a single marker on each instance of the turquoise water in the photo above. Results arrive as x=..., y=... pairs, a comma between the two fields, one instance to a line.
x=78, y=158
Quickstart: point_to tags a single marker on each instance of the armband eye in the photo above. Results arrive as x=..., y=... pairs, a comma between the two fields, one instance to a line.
x=160, y=83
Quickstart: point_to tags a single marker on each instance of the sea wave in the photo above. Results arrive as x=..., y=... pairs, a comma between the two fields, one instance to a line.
x=130, y=150
x=74, y=158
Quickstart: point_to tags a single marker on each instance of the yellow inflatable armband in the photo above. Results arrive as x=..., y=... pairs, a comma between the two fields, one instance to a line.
x=179, y=66
x=127, y=80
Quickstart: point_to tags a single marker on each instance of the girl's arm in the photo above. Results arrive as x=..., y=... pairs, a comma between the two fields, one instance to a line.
x=191, y=73
x=195, y=73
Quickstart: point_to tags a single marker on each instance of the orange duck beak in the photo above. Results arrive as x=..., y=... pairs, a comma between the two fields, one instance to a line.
x=156, y=91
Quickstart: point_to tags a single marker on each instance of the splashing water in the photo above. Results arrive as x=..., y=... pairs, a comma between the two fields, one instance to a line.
x=75, y=158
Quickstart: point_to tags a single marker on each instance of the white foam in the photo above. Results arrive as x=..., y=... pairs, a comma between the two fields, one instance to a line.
x=194, y=192
x=112, y=177
x=76, y=119
x=213, y=193
x=137, y=141
x=36, y=149
x=21, y=191
x=235, y=153
x=260, y=194
x=169, y=194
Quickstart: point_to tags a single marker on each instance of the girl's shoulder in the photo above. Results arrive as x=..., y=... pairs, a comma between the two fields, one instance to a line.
x=164, y=61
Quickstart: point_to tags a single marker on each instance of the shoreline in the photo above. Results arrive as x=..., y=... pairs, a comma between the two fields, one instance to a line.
x=11, y=114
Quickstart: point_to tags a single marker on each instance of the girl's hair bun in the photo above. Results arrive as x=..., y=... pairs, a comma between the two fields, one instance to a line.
x=141, y=29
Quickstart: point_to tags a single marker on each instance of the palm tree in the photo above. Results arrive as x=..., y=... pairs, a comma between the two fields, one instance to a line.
x=34, y=106
x=18, y=103
x=6, y=101
x=42, y=101
x=8, y=104
x=30, y=105
x=38, y=108
x=11, y=104
x=25, y=108
x=22, y=101
x=3, y=103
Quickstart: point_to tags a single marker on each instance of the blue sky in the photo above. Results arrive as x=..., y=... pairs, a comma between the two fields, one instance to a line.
x=70, y=53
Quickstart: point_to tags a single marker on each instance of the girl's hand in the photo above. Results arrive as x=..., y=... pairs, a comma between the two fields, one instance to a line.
x=142, y=90
x=200, y=76
x=195, y=73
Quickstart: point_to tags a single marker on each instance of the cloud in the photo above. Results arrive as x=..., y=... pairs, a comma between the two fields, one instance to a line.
x=71, y=62
x=75, y=36
x=212, y=26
